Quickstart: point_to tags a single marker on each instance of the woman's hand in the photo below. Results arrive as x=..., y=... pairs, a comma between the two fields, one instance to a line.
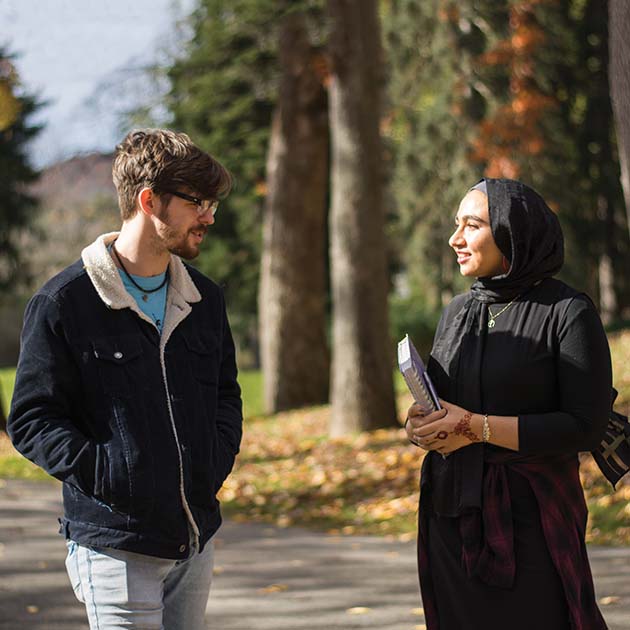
x=417, y=418
x=446, y=430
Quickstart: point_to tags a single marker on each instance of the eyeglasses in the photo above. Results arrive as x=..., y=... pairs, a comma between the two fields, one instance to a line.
x=203, y=205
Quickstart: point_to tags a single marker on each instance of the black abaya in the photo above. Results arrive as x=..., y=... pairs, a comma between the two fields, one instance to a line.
x=547, y=362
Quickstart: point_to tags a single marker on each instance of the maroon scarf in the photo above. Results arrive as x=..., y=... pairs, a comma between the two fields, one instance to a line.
x=488, y=537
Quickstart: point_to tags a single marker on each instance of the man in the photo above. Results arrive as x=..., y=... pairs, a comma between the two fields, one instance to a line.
x=126, y=391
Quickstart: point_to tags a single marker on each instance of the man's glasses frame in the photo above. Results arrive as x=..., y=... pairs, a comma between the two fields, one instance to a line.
x=203, y=205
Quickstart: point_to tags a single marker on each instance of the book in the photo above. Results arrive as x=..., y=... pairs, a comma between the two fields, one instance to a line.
x=416, y=377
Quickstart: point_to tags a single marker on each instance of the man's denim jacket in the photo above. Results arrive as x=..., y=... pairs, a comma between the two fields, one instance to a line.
x=142, y=429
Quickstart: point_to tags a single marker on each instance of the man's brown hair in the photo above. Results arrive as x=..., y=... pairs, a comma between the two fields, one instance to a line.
x=164, y=160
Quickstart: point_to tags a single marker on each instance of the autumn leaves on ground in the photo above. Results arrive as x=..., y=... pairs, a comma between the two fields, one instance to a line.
x=290, y=473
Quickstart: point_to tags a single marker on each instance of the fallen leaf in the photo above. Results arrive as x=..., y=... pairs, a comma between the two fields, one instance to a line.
x=611, y=599
x=274, y=588
x=32, y=610
x=407, y=537
x=358, y=610
x=283, y=521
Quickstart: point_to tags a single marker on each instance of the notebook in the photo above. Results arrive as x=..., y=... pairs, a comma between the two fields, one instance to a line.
x=416, y=376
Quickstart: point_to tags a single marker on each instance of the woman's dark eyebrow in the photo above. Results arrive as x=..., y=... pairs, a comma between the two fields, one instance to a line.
x=471, y=217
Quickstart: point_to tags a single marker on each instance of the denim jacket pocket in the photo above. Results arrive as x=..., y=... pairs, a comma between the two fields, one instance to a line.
x=118, y=362
x=113, y=480
x=101, y=474
x=204, y=358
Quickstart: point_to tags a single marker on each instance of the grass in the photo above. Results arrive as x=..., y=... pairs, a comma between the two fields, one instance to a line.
x=252, y=391
x=12, y=464
x=7, y=380
x=290, y=472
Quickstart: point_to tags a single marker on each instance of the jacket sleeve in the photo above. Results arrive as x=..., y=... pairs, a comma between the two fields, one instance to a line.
x=40, y=422
x=230, y=409
x=584, y=382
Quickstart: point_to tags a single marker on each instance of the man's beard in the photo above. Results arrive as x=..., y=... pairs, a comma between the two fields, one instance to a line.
x=176, y=242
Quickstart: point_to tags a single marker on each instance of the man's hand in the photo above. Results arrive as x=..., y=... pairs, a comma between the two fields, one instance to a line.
x=444, y=431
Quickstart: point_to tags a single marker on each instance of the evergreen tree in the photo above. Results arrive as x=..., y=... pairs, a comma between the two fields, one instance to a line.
x=223, y=94
x=598, y=164
x=16, y=205
x=507, y=89
x=528, y=134
x=438, y=101
x=553, y=129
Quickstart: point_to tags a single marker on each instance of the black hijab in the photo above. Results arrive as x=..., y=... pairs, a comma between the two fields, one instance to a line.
x=528, y=234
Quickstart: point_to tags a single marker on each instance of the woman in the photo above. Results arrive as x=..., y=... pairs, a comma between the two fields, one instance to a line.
x=523, y=367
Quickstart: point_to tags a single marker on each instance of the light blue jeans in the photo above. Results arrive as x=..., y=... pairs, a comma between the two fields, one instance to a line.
x=121, y=589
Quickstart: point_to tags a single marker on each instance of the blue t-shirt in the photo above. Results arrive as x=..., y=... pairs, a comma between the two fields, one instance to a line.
x=151, y=304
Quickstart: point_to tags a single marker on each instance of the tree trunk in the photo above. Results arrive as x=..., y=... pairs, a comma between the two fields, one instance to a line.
x=619, y=46
x=607, y=291
x=292, y=294
x=607, y=295
x=362, y=393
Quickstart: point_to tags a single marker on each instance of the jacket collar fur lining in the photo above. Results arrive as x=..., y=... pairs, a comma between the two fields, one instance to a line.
x=105, y=277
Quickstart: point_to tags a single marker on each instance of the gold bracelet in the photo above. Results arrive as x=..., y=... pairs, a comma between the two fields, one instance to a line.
x=485, y=431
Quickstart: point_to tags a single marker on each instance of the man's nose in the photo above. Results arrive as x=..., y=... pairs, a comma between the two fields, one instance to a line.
x=207, y=218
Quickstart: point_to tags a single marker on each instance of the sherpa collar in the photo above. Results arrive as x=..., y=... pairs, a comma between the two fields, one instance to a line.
x=108, y=284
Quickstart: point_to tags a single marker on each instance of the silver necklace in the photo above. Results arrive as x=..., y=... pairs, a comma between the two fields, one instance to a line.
x=505, y=308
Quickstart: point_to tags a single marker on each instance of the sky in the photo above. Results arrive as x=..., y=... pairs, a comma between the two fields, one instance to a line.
x=85, y=59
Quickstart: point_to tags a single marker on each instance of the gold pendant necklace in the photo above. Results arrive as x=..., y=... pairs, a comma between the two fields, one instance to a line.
x=505, y=308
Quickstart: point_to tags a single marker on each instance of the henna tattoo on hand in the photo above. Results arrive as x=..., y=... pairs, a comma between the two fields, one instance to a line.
x=463, y=428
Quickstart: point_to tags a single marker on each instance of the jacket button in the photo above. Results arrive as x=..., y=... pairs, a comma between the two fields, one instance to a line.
x=118, y=355
x=182, y=548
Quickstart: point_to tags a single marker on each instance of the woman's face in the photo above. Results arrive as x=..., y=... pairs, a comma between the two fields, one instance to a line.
x=477, y=253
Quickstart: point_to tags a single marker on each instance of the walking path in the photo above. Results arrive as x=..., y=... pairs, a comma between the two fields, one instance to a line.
x=265, y=577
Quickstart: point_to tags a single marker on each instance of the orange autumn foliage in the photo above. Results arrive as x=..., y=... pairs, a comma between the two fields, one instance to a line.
x=10, y=106
x=513, y=131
